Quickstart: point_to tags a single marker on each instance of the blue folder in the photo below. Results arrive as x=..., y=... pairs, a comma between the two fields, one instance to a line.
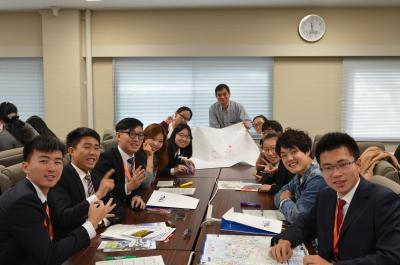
x=236, y=227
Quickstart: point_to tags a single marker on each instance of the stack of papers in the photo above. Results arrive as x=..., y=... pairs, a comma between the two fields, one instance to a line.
x=165, y=183
x=271, y=214
x=153, y=260
x=170, y=200
x=126, y=245
x=181, y=191
x=244, y=250
x=238, y=185
x=240, y=222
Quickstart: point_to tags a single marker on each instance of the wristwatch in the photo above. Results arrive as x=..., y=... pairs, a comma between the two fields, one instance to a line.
x=101, y=224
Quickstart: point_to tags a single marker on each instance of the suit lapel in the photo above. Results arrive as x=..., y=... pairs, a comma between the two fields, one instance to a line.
x=119, y=165
x=76, y=181
x=327, y=222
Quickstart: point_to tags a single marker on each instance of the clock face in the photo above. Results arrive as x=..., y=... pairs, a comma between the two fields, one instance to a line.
x=312, y=28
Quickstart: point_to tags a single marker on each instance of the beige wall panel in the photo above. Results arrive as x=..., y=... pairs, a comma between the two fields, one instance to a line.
x=65, y=106
x=21, y=34
x=244, y=32
x=103, y=95
x=307, y=93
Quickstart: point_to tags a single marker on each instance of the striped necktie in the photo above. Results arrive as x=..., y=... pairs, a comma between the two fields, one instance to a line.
x=89, y=182
x=47, y=221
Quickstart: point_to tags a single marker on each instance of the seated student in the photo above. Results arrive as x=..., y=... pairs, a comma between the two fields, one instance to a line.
x=397, y=153
x=154, y=149
x=13, y=132
x=298, y=196
x=271, y=126
x=182, y=115
x=25, y=227
x=258, y=122
x=355, y=221
x=78, y=188
x=40, y=126
x=179, y=151
x=129, y=169
x=272, y=173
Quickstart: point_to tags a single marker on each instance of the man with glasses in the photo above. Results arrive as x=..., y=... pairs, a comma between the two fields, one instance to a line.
x=129, y=168
x=226, y=112
x=355, y=222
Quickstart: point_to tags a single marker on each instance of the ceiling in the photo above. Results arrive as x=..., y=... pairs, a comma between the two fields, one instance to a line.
x=15, y=5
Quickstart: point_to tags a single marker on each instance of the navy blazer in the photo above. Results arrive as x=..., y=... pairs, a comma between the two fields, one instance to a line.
x=23, y=237
x=69, y=205
x=371, y=229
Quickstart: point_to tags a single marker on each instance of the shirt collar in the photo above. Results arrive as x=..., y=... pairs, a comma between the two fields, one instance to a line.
x=82, y=174
x=220, y=106
x=124, y=155
x=40, y=194
x=349, y=196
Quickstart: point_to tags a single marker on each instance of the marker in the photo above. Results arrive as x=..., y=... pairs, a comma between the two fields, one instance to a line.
x=186, y=184
x=250, y=204
x=120, y=257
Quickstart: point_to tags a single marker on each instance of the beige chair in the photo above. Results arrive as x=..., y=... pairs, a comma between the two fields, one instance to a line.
x=386, y=169
x=363, y=145
x=14, y=173
x=386, y=183
x=108, y=144
x=108, y=134
x=5, y=183
x=11, y=157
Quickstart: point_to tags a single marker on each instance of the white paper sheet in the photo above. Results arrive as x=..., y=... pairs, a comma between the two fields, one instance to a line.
x=165, y=183
x=182, y=191
x=238, y=185
x=272, y=214
x=224, y=147
x=259, y=222
x=170, y=200
x=153, y=260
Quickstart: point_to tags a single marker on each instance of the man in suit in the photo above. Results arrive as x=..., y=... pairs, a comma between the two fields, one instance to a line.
x=129, y=167
x=77, y=188
x=355, y=222
x=25, y=226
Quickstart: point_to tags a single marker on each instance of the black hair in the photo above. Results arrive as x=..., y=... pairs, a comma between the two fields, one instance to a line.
x=128, y=124
x=39, y=125
x=9, y=115
x=75, y=136
x=221, y=87
x=334, y=140
x=268, y=136
x=260, y=116
x=272, y=124
x=172, y=147
x=44, y=144
x=292, y=138
x=184, y=108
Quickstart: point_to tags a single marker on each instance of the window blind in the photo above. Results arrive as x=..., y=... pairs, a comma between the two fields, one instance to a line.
x=371, y=98
x=21, y=83
x=150, y=89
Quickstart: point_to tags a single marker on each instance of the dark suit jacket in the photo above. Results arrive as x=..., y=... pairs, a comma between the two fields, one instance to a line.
x=112, y=159
x=23, y=237
x=69, y=205
x=370, y=233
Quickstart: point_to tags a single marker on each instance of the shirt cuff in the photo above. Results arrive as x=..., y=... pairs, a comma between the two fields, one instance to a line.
x=126, y=190
x=92, y=199
x=282, y=202
x=106, y=222
x=90, y=229
x=172, y=171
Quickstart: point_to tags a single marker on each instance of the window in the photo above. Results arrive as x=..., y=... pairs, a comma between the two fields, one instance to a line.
x=21, y=83
x=371, y=99
x=153, y=88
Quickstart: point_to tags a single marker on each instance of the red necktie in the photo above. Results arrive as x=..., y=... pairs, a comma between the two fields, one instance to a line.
x=47, y=221
x=338, y=225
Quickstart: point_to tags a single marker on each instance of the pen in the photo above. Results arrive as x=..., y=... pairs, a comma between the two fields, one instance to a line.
x=186, y=184
x=120, y=257
x=250, y=204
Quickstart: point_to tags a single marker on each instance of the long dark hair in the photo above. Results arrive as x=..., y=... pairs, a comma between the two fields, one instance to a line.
x=40, y=126
x=152, y=131
x=172, y=147
x=9, y=115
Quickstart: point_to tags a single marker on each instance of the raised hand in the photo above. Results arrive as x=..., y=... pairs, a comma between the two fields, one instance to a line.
x=106, y=184
x=98, y=211
x=137, y=179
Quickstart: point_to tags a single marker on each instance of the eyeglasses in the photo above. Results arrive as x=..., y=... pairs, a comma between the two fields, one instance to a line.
x=133, y=134
x=341, y=166
x=187, y=137
x=183, y=117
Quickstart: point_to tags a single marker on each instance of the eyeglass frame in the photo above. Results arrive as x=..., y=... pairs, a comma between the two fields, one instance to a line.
x=340, y=166
x=140, y=136
x=183, y=117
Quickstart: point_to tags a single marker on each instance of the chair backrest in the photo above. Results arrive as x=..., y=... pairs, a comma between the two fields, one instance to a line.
x=5, y=183
x=108, y=144
x=11, y=157
x=108, y=134
x=362, y=145
x=395, y=187
x=386, y=169
x=314, y=144
x=14, y=173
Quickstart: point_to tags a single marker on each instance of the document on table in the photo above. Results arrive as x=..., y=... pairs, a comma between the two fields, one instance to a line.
x=238, y=185
x=224, y=147
x=165, y=183
x=182, y=191
x=153, y=260
x=170, y=200
x=244, y=250
x=271, y=214
x=258, y=222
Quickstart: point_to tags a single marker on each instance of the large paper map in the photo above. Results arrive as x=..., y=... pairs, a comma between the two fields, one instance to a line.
x=223, y=147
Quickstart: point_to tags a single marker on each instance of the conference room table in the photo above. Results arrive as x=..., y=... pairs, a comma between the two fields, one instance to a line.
x=179, y=249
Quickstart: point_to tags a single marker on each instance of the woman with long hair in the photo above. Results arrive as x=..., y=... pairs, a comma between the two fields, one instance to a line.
x=40, y=126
